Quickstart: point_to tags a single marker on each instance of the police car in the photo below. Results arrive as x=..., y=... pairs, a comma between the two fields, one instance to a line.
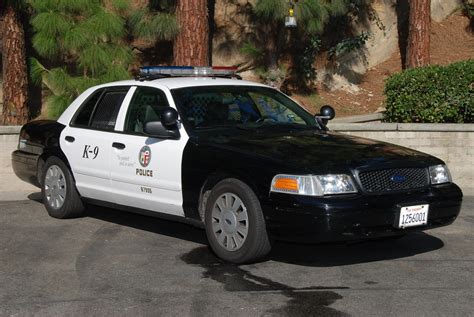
x=238, y=158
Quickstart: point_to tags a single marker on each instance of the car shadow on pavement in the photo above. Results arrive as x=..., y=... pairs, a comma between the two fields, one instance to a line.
x=317, y=255
x=327, y=255
x=164, y=227
x=146, y=223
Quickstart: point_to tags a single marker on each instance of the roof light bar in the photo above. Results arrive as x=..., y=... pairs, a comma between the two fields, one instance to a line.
x=176, y=71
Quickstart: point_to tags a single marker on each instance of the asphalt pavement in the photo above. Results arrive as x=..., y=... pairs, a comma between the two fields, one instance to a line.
x=113, y=263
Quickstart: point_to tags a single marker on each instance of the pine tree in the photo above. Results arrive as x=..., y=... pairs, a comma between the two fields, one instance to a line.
x=191, y=46
x=15, y=74
x=418, y=51
x=312, y=16
x=90, y=39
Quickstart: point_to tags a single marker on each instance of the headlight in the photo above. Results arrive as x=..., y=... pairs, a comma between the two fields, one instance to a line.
x=439, y=174
x=313, y=185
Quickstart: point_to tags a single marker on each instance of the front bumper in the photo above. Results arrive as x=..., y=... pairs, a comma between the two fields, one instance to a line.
x=356, y=217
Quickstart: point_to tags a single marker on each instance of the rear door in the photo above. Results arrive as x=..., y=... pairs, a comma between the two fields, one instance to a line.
x=145, y=171
x=87, y=142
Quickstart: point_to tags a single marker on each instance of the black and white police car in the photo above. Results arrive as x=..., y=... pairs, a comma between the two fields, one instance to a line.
x=239, y=158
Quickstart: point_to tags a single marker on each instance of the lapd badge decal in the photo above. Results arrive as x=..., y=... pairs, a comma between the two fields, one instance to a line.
x=144, y=157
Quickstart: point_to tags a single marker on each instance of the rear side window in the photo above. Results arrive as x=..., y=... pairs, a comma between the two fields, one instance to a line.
x=107, y=110
x=101, y=109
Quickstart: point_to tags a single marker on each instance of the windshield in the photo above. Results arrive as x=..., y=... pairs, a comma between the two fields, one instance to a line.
x=246, y=107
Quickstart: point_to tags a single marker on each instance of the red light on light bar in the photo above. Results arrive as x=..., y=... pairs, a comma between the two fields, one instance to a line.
x=234, y=68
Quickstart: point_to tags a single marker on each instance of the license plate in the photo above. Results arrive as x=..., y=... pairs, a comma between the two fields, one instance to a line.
x=411, y=216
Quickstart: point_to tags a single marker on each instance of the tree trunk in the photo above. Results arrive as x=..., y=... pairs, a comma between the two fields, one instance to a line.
x=191, y=46
x=274, y=42
x=419, y=34
x=271, y=48
x=15, y=78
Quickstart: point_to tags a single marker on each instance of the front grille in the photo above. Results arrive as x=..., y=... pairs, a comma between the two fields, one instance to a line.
x=395, y=179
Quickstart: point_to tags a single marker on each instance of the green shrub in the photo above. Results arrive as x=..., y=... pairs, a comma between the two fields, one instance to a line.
x=433, y=94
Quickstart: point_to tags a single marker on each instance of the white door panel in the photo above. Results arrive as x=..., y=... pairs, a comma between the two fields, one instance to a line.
x=155, y=185
x=89, y=158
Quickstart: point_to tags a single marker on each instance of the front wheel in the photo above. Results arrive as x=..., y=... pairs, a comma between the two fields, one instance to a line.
x=59, y=192
x=235, y=225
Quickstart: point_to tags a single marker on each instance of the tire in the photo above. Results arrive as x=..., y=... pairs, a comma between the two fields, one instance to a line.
x=234, y=222
x=59, y=192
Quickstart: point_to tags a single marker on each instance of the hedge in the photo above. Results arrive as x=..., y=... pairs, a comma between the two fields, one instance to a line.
x=433, y=94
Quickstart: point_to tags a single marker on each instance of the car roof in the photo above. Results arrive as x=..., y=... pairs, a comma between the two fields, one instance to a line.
x=181, y=82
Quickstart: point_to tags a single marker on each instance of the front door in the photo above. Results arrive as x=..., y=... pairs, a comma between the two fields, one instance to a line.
x=146, y=172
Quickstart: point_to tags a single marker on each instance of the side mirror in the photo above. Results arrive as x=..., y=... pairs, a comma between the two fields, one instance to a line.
x=167, y=128
x=169, y=117
x=325, y=114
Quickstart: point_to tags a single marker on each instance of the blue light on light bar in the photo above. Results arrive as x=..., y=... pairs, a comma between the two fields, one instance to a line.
x=166, y=70
x=163, y=68
x=187, y=71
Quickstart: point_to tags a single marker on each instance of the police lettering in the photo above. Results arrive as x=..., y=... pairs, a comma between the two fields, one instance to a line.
x=144, y=172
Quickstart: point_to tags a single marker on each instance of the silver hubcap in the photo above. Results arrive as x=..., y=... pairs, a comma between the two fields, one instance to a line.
x=55, y=186
x=230, y=223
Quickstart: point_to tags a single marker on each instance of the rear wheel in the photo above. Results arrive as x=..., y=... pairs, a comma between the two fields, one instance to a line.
x=59, y=192
x=235, y=226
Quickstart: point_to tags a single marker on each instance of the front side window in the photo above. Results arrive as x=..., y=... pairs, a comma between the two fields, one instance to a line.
x=146, y=106
x=238, y=106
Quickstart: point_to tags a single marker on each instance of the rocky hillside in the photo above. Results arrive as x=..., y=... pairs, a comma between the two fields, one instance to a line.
x=451, y=41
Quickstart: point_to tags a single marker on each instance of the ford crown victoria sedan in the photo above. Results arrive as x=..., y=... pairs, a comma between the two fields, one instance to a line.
x=238, y=158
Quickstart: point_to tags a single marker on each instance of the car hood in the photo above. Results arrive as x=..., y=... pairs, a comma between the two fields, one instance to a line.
x=317, y=151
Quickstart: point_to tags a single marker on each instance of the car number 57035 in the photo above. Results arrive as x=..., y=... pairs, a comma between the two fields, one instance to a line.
x=411, y=216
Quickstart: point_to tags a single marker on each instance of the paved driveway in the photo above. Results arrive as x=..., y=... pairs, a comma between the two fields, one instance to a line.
x=120, y=264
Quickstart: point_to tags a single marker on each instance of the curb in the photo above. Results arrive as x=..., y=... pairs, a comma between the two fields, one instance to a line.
x=10, y=129
x=425, y=127
x=377, y=117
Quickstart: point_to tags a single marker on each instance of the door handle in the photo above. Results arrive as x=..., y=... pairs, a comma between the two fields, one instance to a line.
x=118, y=145
x=70, y=138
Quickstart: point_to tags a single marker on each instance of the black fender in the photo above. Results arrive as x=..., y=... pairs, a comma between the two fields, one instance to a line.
x=39, y=140
x=204, y=166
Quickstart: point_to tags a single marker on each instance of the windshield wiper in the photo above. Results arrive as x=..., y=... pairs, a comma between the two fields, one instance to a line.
x=284, y=126
x=222, y=126
x=260, y=125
